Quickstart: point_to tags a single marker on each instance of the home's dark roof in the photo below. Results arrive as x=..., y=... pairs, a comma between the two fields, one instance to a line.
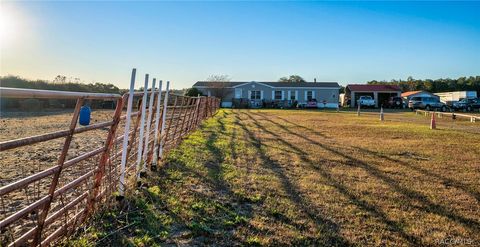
x=270, y=83
x=214, y=84
x=373, y=87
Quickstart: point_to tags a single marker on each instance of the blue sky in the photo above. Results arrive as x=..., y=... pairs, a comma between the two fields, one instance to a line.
x=348, y=42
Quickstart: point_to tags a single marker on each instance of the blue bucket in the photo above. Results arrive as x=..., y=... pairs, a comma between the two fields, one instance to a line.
x=85, y=113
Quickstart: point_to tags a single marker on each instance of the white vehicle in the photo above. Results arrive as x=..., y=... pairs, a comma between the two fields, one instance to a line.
x=366, y=101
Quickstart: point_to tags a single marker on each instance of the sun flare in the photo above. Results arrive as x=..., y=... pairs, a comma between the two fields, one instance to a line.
x=8, y=25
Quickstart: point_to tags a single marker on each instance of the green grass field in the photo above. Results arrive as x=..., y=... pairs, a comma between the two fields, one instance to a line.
x=288, y=177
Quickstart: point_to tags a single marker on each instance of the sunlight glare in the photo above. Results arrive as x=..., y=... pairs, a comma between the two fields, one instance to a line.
x=8, y=25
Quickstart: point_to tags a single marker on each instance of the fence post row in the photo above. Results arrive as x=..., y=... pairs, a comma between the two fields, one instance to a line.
x=183, y=114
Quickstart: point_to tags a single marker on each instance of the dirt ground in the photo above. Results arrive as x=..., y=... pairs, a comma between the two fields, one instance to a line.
x=22, y=162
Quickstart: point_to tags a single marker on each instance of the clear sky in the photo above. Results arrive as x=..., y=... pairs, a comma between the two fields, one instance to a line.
x=348, y=42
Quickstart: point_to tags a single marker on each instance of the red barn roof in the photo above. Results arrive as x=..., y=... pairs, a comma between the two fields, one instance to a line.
x=406, y=94
x=373, y=88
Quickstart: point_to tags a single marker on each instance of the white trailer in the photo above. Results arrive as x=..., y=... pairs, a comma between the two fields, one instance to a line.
x=451, y=97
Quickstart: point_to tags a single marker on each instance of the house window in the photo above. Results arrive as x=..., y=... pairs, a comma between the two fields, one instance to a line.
x=255, y=95
x=238, y=93
x=292, y=95
x=309, y=95
x=278, y=95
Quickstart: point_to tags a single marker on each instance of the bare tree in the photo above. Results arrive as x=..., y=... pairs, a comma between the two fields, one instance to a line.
x=60, y=79
x=218, y=85
x=218, y=78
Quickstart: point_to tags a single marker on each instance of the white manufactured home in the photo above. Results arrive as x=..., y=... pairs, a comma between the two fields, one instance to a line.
x=259, y=94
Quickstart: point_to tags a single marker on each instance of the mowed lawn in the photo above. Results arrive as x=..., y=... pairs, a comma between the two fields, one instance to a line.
x=288, y=177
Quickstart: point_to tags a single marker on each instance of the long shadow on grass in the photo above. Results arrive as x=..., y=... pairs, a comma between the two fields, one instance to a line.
x=448, y=181
x=149, y=218
x=231, y=210
x=428, y=205
x=372, y=209
x=317, y=133
x=328, y=229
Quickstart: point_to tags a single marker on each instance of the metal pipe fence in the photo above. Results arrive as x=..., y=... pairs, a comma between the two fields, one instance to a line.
x=39, y=207
x=453, y=115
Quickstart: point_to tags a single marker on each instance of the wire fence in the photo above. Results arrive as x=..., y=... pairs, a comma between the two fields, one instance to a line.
x=42, y=203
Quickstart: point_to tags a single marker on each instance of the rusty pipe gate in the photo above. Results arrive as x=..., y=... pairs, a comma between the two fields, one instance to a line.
x=39, y=208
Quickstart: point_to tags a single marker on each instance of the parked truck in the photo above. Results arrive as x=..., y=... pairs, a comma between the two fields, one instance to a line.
x=366, y=101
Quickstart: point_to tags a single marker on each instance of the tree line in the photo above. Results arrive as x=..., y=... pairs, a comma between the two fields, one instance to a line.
x=60, y=83
x=471, y=83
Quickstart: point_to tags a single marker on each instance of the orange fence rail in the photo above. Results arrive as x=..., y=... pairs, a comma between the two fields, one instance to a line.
x=39, y=208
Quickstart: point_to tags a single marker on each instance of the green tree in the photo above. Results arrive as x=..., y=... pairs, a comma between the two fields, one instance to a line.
x=471, y=83
x=193, y=92
x=60, y=83
x=292, y=78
